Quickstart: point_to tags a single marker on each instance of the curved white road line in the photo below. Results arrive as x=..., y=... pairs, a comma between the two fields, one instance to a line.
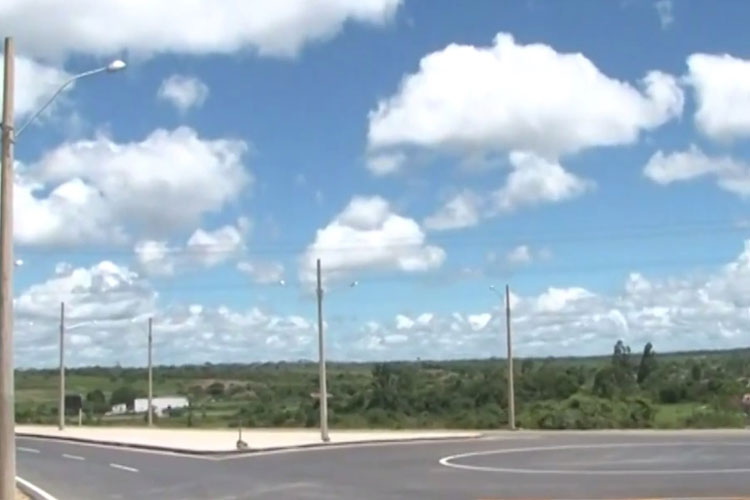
x=449, y=461
x=36, y=489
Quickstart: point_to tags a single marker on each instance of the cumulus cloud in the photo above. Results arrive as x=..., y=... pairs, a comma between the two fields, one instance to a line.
x=722, y=91
x=155, y=258
x=111, y=302
x=35, y=83
x=183, y=92
x=535, y=180
x=107, y=306
x=460, y=211
x=204, y=249
x=58, y=29
x=89, y=190
x=467, y=99
x=369, y=235
x=519, y=255
x=667, y=168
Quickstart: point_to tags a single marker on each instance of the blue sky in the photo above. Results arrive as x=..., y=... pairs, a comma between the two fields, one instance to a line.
x=256, y=134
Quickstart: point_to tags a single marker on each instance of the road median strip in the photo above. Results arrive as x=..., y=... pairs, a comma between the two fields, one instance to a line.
x=243, y=452
x=32, y=491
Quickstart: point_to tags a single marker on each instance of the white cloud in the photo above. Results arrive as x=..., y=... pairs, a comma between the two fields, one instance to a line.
x=687, y=311
x=58, y=29
x=667, y=168
x=210, y=248
x=535, y=180
x=262, y=272
x=35, y=83
x=468, y=99
x=69, y=214
x=722, y=92
x=203, y=249
x=458, y=212
x=519, y=255
x=478, y=322
x=155, y=258
x=152, y=188
x=384, y=164
x=368, y=235
x=183, y=92
x=107, y=306
x=665, y=11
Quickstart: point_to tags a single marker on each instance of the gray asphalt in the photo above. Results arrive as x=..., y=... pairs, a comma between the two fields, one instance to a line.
x=559, y=466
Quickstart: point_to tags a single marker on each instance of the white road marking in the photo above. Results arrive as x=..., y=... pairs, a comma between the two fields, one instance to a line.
x=123, y=467
x=27, y=450
x=449, y=460
x=36, y=489
x=73, y=457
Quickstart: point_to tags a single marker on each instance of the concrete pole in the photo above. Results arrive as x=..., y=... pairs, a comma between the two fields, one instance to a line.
x=511, y=393
x=7, y=409
x=61, y=406
x=323, y=392
x=150, y=376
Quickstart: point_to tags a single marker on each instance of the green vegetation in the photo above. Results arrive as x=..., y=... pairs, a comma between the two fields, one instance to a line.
x=624, y=390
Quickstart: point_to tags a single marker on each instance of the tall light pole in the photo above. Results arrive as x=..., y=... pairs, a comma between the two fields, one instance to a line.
x=323, y=391
x=150, y=376
x=509, y=344
x=7, y=409
x=61, y=406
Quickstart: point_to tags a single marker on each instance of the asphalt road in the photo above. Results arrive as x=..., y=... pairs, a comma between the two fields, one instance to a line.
x=570, y=466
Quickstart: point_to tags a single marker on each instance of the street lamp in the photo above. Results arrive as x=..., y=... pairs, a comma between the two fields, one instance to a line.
x=511, y=392
x=322, y=375
x=149, y=411
x=113, y=67
x=323, y=392
x=63, y=329
x=7, y=411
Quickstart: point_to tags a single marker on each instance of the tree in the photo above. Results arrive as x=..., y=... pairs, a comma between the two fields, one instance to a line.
x=215, y=390
x=96, y=397
x=647, y=365
x=123, y=395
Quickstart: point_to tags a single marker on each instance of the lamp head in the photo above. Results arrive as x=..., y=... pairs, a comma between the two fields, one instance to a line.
x=116, y=65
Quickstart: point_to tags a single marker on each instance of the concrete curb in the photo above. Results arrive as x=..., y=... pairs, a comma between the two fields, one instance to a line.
x=32, y=491
x=248, y=451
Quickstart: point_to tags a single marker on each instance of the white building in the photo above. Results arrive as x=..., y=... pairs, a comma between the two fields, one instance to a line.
x=120, y=409
x=161, y=404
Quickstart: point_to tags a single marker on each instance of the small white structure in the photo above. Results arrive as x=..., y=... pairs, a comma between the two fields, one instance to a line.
x=120, y=409
x=161, y=404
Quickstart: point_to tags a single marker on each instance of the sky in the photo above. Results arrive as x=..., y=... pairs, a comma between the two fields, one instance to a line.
x=592, y=155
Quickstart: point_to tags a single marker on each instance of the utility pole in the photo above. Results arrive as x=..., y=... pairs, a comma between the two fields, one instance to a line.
x=323, y=393
x=61, y=407
x=511, y=394
x=150, y=376
x=7, y=408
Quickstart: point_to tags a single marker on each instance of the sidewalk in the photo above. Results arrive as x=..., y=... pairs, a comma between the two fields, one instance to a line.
x=224, y=440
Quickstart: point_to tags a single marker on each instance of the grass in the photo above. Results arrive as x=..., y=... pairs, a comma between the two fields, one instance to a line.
x=674, y=416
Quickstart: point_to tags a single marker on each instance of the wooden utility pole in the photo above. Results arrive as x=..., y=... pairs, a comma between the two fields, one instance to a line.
x=511, y=393
x=7, y=408
x=150, y=376
x=322, y=365
x=61, y=406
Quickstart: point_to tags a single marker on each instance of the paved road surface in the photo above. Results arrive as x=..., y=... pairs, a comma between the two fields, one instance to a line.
x=571, y=466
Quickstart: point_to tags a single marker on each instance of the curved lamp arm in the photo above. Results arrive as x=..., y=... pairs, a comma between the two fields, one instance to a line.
x=116, y=65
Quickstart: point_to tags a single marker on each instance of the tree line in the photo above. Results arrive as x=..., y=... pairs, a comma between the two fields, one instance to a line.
x=624, y=390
